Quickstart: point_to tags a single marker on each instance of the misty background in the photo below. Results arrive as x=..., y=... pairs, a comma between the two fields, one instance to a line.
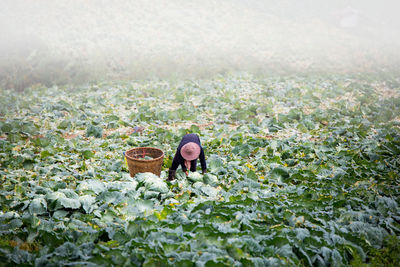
x=57, y=42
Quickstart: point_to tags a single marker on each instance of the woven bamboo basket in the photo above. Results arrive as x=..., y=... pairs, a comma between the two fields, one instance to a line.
x=137, y=163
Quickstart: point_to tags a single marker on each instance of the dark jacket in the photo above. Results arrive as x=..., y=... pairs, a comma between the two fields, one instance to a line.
x=178, y=159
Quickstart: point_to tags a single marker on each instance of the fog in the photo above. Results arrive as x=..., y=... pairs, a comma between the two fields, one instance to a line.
x=62, y=41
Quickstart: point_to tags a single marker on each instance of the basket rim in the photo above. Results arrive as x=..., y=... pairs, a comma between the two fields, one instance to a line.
x=143, y=160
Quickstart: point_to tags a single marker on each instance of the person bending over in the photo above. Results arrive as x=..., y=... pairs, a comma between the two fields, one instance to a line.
x=187, y=153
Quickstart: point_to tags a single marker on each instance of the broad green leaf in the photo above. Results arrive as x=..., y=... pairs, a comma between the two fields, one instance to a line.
x=87, y=154
x=87, y=203
x=93, y=185
x=95, y=131
x=210, y=179
x=38, y=206
x=195, y=177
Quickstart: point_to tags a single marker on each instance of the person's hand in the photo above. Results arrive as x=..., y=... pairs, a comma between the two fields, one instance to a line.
x=187, y=173
x=171, y=175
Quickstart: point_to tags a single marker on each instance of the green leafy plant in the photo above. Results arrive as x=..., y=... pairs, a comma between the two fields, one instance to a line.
x=296, y=175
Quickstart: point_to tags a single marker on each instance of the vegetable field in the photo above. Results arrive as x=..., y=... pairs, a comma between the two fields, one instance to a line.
x=302, y=171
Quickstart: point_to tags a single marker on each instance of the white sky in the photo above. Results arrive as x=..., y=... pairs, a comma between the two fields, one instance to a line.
x=164, y=36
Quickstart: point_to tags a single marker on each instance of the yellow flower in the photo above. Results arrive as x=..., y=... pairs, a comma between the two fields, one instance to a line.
x=17, y=148
x=250, y=166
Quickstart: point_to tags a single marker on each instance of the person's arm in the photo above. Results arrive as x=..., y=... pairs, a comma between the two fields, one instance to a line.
x=184, y=169
x=203, y=161
x=174, y=166
x=175, y=162
x=178, y=160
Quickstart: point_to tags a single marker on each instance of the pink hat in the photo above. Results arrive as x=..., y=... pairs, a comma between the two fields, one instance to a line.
x=190, y=151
